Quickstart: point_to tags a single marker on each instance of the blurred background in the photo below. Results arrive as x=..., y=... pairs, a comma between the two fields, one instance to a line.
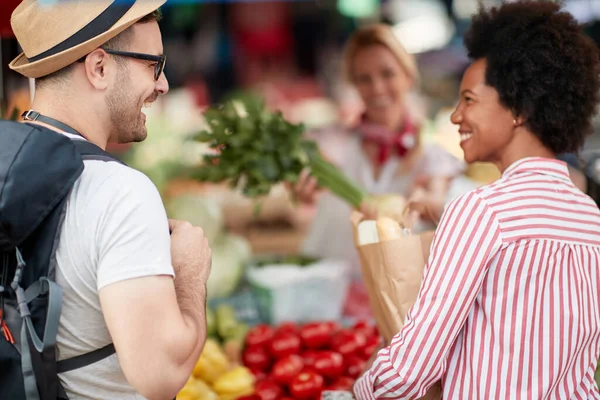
x=288, y=53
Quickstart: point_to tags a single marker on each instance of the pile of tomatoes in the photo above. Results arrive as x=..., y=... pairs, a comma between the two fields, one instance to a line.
x=299, y=362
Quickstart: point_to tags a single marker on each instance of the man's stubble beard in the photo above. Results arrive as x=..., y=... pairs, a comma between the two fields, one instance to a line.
x=124, y=110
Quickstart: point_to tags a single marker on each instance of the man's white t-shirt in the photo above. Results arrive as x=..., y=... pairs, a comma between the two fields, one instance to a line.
x=115, y=228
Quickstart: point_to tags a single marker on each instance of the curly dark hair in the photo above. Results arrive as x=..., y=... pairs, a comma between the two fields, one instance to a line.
x=543, y=66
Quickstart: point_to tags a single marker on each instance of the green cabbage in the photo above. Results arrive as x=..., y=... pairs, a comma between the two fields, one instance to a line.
x=200, y=211
x=230, y=255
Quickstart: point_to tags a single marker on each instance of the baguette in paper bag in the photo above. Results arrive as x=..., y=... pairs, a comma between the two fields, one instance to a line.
x=392, y=265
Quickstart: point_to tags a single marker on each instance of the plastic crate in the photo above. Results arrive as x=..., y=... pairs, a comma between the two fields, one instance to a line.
x=291, y=293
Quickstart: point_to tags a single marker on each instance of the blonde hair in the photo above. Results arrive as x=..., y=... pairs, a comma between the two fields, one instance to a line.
x=382, y=35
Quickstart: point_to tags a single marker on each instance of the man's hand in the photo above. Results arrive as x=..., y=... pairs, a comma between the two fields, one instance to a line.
x=190, y=253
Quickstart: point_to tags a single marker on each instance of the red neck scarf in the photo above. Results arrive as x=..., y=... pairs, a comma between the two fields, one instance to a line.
x=400, y=142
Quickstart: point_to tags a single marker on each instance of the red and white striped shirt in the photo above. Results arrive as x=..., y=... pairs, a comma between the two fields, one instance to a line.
x=509, y=307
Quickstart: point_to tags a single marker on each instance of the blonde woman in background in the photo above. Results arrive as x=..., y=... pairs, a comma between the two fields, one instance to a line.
x=383, y=152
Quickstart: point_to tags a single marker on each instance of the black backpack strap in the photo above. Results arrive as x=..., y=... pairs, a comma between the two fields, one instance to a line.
x=85, y=359
x=45, y=345
x=32, y=115
x=89, y=151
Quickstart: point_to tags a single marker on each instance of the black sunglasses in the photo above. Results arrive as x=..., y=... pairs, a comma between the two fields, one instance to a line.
x=159, y=60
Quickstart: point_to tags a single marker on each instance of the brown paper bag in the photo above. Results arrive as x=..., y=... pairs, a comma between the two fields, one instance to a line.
x=392, y=271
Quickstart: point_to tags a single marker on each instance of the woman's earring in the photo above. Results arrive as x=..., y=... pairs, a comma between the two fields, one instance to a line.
x=514, y=122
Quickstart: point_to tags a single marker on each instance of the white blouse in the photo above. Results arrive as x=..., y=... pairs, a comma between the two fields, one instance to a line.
x=330, y=235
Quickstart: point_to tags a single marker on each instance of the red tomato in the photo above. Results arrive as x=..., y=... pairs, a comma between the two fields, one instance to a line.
x=249, y=397
x=308, y=369
x=309, y=357
x=259, y=375
x=355, y=366
x=342, y=383
x=260, y=335
x=256, y=358
x=306, y=385
x=268, y=390
x=334, y=326
x=287, y=327
x=347, y=342
x=316, y=335
x=369, y=348
x=365, y=328
x=287, y=368
x=329, y=364
x=284, y=344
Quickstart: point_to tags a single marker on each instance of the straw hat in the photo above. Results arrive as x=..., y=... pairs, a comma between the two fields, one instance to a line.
x=55, y=36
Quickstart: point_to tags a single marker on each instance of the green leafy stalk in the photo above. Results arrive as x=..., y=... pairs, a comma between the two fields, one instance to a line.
x=255, y=149
x=332, y=178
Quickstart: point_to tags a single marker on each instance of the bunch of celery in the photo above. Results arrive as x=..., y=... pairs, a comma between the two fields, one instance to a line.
x=256, y=149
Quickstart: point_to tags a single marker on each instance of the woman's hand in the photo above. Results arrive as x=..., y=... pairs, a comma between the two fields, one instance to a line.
x=369, y=210
x=422, y=204
x=306, y=189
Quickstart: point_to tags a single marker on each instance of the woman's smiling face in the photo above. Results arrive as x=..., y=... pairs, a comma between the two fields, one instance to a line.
x=381, y=82
x=486, y=127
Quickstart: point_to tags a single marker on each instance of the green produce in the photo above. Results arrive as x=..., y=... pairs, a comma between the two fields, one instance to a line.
x=256, y=149
x=199, y=211
x=211, y=322
x=224, y=328
x=230, y=254
x=234, y=345
x=597, y=375
x=239, y=333
x=226, y=321
x=299, y=260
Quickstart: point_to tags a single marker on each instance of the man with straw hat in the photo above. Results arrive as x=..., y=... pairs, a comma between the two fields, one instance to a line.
x=124, y=280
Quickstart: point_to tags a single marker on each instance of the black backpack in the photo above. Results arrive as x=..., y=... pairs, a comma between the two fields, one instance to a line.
x=38, y=168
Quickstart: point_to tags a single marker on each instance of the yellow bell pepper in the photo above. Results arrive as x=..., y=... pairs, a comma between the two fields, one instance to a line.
x=212, y=362
x=235, y=396
x=236, y=383
x=196, y=390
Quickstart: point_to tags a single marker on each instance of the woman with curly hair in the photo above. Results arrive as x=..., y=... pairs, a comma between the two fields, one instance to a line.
x=509, y=306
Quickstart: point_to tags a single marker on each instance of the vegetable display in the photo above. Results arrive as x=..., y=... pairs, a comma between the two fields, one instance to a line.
x=219, y=373
x=256, y=149
x=300, y=362
x=216, y=377
x=287, y=361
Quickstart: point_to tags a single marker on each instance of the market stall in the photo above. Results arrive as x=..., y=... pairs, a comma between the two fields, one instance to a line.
x=287, y=360
x=281, y=324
